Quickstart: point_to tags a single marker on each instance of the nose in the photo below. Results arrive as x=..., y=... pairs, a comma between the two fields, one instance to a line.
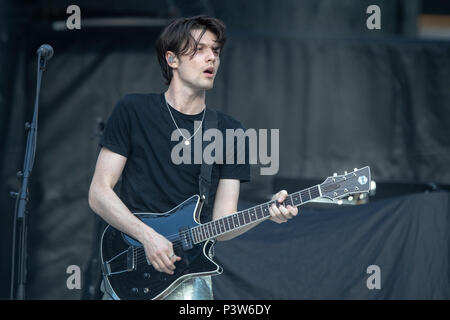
x=210, y=55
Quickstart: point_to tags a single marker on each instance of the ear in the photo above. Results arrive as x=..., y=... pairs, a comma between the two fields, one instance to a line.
x=171, y=59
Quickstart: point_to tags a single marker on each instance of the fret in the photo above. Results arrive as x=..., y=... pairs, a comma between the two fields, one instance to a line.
x=237, y=223
x=205, y=229
x=218, y=227
x=296, y=200
x=242, y=214
x=288, y=198
x=305, y=196
x=227, y=223
x=210, y=234
x=222, y=225
x=214, y=228
x=241, y=219
x=259, y=213
x=315, y=192
x=211, y=227
x=202, y=233
x=191, y=233
x=253, y=215
x=197, y=239
x=266, y=212
x=246, y=215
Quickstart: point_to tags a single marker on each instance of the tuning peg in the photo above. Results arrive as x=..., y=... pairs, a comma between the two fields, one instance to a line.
x=335, y=174
x=345, y=172
x=350, y=198
x=356, y=169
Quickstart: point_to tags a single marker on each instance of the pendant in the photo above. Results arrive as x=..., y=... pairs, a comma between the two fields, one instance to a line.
x=186, y=142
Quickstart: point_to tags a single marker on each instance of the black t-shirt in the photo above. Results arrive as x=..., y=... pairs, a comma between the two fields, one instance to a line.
x=140, y=128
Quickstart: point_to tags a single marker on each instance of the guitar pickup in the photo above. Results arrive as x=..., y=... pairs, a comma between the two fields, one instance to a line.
x=186, y=239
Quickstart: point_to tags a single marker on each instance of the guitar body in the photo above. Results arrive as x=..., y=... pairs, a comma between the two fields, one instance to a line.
x=127, y=273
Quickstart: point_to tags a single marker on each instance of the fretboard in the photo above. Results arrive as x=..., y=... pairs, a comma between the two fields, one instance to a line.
x=243, y=218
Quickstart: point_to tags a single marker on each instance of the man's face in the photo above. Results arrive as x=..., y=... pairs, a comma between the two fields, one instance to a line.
x=198, y=72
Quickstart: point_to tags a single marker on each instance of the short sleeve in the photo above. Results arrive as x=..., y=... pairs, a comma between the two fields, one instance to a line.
x=117, y=133
x=239, y=167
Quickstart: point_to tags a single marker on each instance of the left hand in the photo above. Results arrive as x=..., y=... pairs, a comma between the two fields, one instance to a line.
x=282, y=214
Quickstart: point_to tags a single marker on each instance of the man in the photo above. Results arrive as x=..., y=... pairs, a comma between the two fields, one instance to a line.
x=137, y=146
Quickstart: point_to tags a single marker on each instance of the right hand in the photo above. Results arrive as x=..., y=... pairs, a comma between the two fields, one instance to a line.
x=158, y=251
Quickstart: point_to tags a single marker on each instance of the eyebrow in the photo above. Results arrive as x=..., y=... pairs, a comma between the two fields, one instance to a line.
x=215, y=45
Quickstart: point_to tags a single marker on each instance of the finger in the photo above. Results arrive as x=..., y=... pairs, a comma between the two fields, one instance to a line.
x=274, y=209
x=277, y=214
x=292, y=210
x=156, y=264
x=174, y=258
x=273, y=216
x=168, y=264
x=163, y=265
x=285, y=212
x=276, y=219
x=282, y=195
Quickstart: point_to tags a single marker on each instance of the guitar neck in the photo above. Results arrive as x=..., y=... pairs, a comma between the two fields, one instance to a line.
x=248, y=216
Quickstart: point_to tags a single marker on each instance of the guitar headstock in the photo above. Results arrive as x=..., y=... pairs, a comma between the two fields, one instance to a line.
x=340, y=186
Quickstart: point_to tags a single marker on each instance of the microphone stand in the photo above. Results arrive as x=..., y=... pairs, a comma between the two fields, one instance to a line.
x=22, y=197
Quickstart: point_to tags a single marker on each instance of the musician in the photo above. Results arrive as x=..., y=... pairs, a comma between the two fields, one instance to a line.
x=137, y=145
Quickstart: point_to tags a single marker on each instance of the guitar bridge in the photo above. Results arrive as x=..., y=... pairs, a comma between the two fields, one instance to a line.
x=123, y=262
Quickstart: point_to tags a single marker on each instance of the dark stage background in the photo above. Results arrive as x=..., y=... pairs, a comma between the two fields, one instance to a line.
x=343, y=97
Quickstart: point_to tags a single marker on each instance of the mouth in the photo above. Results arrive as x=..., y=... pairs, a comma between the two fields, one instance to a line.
x=209, y=72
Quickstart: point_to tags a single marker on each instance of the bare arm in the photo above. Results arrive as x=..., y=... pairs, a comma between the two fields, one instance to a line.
x=226, y=202
x=105, y=202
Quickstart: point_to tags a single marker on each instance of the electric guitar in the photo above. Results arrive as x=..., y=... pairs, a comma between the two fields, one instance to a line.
x=129, y=275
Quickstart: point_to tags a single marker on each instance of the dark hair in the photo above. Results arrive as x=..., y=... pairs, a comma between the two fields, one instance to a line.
x=176, y=37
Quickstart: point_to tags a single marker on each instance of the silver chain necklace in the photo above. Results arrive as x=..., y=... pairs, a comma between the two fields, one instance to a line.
x=186, y=140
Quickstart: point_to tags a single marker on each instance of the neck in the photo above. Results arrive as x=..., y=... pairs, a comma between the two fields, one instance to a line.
x=185, y=100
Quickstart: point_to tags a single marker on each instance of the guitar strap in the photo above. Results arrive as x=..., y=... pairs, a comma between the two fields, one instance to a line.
x=205, y=181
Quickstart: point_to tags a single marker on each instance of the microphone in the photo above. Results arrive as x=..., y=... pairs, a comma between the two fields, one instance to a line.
x=45, y=51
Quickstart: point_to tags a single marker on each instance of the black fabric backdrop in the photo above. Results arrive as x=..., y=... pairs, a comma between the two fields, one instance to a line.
x=325, y=253
x=340, y=102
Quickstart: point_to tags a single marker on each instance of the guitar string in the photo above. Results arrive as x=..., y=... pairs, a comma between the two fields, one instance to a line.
x=141, y=256
x=215, y=226
x=233, y=216
x=140, y=252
